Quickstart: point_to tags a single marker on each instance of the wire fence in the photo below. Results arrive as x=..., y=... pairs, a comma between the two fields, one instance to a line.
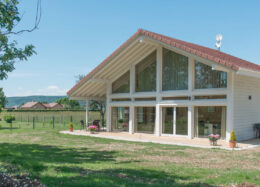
x=48, y=119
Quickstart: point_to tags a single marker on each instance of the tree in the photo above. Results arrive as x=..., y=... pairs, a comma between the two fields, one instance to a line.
x=3, y=99
x=69, y=104
x=9, y=51
x=99, y=106
x=79, y=77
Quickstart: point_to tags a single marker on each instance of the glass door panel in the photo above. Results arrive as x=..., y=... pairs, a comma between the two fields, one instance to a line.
x=167, y=120
x=144, y=119
x=175, y=120
x=120, y=118
x=182, y=121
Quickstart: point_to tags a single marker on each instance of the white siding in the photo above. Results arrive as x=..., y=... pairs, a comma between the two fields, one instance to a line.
x=246, y=112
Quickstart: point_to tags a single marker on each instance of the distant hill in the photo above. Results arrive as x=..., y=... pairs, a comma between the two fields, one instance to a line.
x=14, y=101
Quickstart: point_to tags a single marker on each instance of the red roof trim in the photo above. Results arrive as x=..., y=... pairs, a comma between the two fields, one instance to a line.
x=213, y=55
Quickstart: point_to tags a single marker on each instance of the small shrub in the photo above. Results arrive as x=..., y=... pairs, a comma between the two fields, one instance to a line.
x=233, y=136
x=9, y=118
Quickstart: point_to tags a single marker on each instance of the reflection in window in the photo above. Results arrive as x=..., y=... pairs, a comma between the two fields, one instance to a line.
x=205, y=77
x=122, y=84
x=210, y=120
x=145, y=119
x=182, y=120
x=120, y=118
x=174, y=71
x=145, y=74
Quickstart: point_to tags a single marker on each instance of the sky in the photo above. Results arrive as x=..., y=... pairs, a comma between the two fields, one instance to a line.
x=74, y=36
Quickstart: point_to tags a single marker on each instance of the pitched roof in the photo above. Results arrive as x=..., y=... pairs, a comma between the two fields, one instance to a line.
x=213, y=55
x=51, y=105
x=29, y=104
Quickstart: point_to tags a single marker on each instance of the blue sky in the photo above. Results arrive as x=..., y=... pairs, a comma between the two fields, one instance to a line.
x=76, y=35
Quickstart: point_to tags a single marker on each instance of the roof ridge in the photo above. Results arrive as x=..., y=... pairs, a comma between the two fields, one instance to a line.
x=211, y=54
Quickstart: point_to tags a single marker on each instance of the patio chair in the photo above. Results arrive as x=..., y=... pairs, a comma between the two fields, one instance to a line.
x=96, y=123
x=257, y=130
x=82, y=124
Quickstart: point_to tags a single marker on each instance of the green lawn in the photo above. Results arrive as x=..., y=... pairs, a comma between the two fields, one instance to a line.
x=67, y=160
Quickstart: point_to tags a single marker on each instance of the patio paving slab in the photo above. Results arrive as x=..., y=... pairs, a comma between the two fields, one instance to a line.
x=182, y=141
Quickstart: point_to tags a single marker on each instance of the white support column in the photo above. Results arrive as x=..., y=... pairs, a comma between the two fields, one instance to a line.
x=131, y=119
x=158, y=90
x=132, y=81
x=108, y=107
x=190, y=122
x=87, y=113
x=230, y=105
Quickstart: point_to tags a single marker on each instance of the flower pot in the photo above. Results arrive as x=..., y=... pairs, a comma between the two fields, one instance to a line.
x=92, y=132
x=213, y=143
x=232, y=144
x=71, y=129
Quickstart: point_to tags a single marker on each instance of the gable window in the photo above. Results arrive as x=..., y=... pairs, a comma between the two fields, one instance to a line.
x=174, y=71
x=145, y=74
x=122, y=84
x=205, y=77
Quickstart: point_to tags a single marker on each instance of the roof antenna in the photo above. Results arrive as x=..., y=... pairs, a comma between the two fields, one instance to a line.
x=219, y=38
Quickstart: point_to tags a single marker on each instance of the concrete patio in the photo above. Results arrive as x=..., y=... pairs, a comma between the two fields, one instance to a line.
x=182, y=141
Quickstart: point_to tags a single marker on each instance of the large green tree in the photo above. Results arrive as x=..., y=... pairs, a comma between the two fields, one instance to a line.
x=69, y=104
x=3, y=99
x=10, y=53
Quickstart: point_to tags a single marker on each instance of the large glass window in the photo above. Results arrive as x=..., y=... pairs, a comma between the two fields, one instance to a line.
x=182, y=120
x=122, y=84
x=120, y=118
x=205, y=77
x=210, y=120
x=167, y=120
x=145, y=74
x=174, y=71
x=145, y=119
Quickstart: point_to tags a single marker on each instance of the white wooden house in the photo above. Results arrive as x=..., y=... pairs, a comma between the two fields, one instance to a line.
x=164, y=86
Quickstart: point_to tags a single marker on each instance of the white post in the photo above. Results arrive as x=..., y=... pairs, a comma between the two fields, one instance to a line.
x=190, y=122
x=158, y=90
x=87, y=114
x=230, y=105
x=108, y=107
x=131, y=119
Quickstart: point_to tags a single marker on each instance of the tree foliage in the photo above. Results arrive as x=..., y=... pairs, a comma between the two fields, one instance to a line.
x=79, y=77
x=3, y=99
x=99, y=106
x=10, y=53
x=69, y=104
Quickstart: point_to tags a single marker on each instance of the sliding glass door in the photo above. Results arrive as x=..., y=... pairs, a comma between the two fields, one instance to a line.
x=175, y=120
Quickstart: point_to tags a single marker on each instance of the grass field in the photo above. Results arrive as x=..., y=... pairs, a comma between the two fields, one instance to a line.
x=66, y=160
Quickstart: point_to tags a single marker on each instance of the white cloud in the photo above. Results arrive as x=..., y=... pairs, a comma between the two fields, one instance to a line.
x=51, y=90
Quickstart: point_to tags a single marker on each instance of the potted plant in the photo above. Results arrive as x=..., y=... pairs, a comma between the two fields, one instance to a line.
x=92, y=128
x=233, y=140
x=213, y=138
x=71, y=127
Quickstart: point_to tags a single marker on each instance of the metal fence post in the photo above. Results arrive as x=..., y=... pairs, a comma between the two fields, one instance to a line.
x=53, y=122
x=33, y=122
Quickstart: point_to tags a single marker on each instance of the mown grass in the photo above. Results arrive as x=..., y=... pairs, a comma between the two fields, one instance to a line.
x=67, y=160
